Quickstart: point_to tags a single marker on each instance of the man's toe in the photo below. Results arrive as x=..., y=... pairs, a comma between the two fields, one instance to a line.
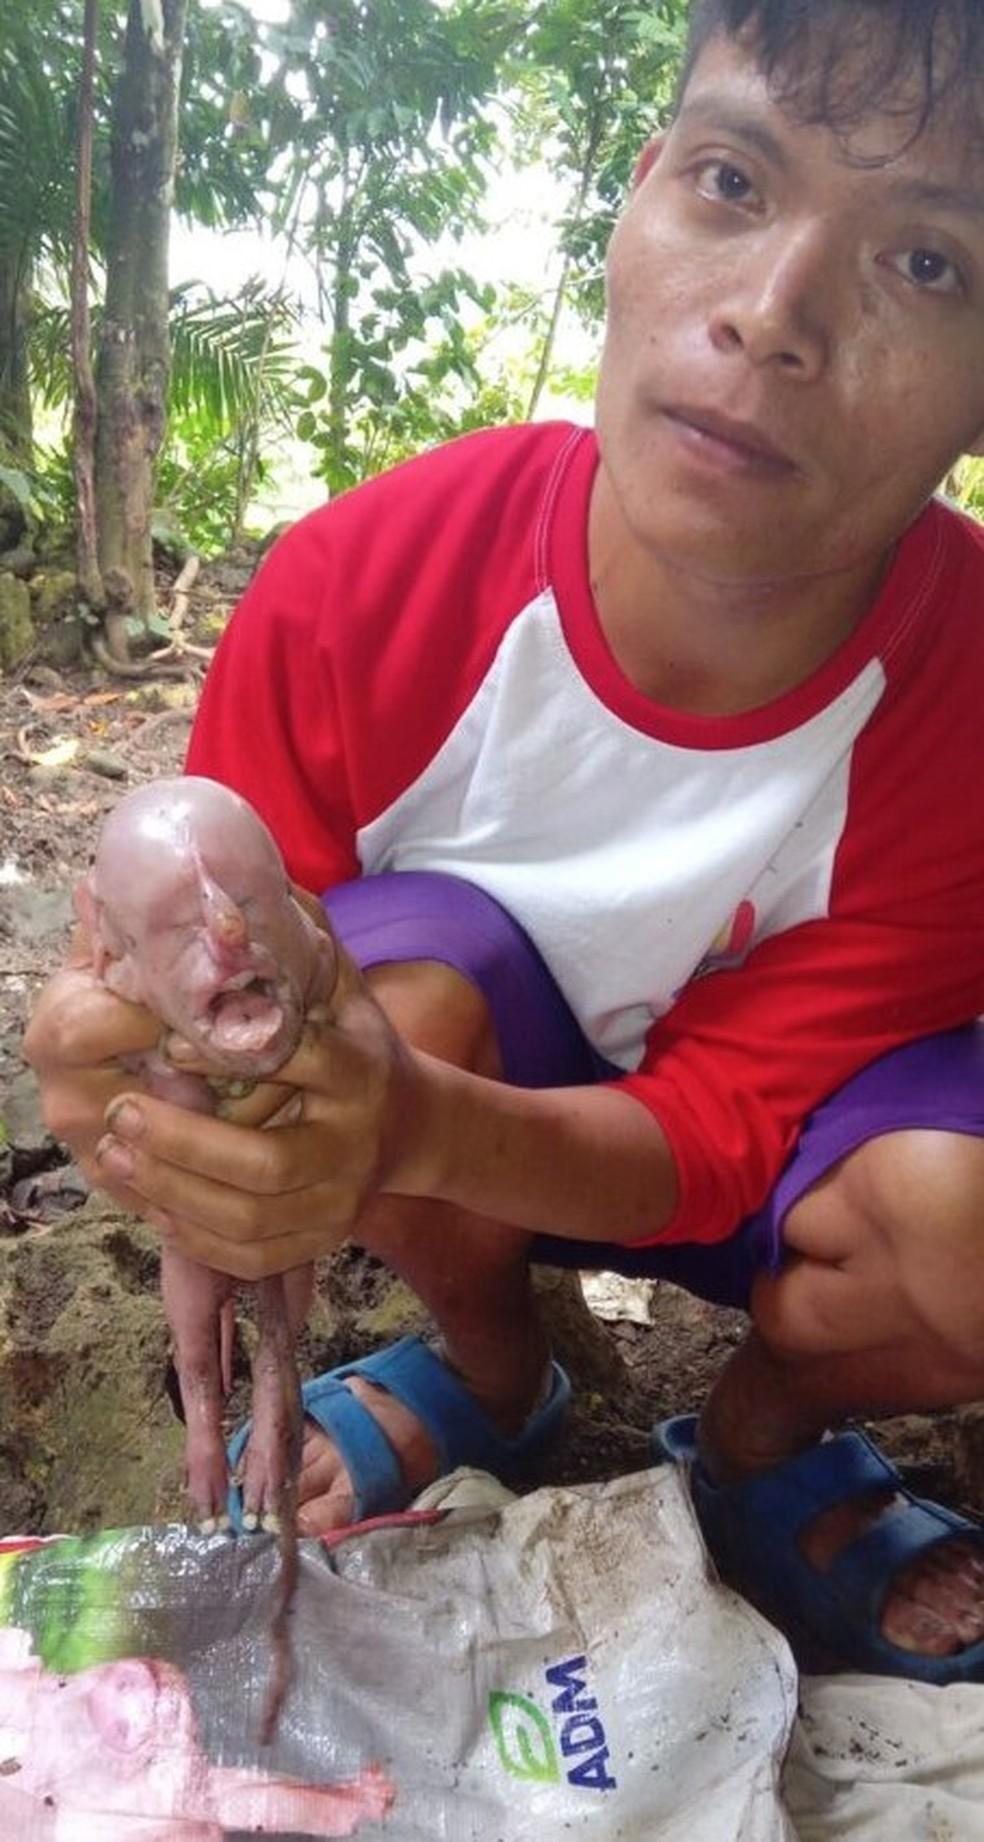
x=321, y=1515
x=918, y=1628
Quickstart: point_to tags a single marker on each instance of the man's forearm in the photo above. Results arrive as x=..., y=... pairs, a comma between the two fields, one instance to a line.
x=586, y=1163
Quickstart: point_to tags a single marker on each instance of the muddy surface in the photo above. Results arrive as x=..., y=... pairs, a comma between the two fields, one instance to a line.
x=89, y=1434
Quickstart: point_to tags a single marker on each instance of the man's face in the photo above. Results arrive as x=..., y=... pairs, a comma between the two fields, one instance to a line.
x=795, y=346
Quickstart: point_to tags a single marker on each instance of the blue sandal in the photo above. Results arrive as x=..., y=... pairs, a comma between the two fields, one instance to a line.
x=752, y=1532
x=461, y=1431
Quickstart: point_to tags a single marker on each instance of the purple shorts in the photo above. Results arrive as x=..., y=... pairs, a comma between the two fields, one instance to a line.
x=937, y=1082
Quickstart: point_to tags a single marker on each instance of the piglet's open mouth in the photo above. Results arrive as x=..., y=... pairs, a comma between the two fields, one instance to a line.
x=245, y=1015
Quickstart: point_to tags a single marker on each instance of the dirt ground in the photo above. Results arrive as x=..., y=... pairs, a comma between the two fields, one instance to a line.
x=89, y=1434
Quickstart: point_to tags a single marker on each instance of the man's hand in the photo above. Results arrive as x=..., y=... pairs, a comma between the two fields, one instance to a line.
x=251, y=1199
x=75, y=1043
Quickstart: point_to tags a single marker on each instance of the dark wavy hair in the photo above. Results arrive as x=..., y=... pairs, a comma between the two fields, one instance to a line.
x=835, y=61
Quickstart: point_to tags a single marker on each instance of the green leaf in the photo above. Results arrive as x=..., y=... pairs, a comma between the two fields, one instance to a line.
x=17, y=483
x=314, y=381
x=523, y=1737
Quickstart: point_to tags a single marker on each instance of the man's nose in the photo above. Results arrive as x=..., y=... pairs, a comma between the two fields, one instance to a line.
x=779, y=309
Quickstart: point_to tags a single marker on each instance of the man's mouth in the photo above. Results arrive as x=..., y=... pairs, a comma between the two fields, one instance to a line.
x=743, y=443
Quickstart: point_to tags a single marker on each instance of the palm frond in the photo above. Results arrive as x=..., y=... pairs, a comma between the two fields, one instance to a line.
x=230, y=358
x=38, y=80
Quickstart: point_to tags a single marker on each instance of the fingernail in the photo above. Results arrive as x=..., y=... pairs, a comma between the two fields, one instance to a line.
x=125, y=1118
x=178, y=1049
x=114, y=1158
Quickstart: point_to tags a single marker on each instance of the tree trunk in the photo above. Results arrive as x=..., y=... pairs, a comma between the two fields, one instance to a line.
x=16, y=429
x=90, y=580
x=134, y=349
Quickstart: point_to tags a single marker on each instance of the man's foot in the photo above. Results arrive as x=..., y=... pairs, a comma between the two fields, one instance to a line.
x=379, y=1430
x=833, y=1548
x=325, y=1497
x=935, y=1606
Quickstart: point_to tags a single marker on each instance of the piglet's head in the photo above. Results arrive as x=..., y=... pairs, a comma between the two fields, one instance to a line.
x=190, y=912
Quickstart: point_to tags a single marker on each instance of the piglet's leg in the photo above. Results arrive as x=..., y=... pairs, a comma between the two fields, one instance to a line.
x=267, y=1466
x=273, y=1453
x=196, y=1300
x=273, y=1463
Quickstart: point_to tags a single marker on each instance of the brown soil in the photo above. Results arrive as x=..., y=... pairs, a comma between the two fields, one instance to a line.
x=88, y=1431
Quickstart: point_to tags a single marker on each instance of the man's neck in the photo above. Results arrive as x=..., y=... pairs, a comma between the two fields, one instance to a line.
x=712, y=649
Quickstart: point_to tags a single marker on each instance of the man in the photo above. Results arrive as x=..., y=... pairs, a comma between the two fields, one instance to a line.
x=691, y=716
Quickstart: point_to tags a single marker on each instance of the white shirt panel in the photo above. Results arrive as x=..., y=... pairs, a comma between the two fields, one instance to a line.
x=567, y=815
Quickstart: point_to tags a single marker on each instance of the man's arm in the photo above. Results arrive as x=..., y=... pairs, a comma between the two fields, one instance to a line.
x=373, y=1116
x=586, y=1163
x=680, y=1151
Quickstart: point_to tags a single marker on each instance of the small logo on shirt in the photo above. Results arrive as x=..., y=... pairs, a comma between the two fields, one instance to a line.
x=730, y=946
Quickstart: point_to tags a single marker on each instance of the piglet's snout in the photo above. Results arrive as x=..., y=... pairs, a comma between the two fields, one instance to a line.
x=226, y=931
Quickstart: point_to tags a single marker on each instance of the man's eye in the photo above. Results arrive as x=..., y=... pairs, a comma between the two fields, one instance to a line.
x=929, y=270
x=722, y=182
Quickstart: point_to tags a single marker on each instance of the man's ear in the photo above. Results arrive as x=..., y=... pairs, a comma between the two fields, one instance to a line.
x=647, y=160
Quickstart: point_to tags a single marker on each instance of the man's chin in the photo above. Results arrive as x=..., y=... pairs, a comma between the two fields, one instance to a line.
x=710, y=555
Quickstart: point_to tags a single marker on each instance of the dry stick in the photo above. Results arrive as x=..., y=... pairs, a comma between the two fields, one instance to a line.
x=276, y=1347
x=165, y=662
x=178, y=647
x=156, y=667
x=160, y=720
x=179, y=594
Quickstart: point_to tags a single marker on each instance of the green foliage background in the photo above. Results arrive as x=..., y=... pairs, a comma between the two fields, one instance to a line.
x=362, y=134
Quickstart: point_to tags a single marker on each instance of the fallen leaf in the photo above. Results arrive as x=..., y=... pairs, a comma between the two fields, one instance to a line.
x=56, y=700
x=59, y=754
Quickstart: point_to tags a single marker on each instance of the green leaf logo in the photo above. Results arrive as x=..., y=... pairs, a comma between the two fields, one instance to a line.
x=523, y=1737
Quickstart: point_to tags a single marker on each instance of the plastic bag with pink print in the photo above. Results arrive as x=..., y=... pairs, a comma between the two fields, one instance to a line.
x=487, y=1670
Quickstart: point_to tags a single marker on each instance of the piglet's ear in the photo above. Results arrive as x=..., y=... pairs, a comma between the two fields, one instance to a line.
x=92, y=947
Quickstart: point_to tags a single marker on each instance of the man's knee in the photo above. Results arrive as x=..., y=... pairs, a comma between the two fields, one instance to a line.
x=439, y=1011
x=906, y=1212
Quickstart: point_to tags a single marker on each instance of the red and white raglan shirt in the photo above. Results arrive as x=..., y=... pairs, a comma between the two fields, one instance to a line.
x=742, y=911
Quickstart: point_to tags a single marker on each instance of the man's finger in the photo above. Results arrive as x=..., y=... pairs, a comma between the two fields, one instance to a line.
x=79, y=1024
x=243, y=1174
x=312, y=908
x=252, y=1260
x=117, y=1192
x=74, y=1109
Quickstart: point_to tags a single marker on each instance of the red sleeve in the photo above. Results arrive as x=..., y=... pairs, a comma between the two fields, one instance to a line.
x=365, y=634
x=746, y=1054
x=267, y=723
